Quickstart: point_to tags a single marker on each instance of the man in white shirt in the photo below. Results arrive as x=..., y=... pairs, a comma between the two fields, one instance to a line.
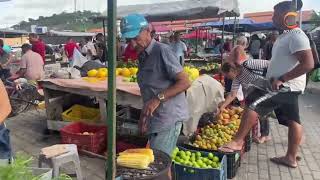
x=179, y=47
x=291, y=60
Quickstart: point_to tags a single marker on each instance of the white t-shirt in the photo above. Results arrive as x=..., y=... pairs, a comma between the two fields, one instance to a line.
x=283, y=60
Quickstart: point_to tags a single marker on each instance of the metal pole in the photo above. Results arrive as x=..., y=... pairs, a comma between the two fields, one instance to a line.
x=111, y=114
x=234, y=30
x=223, y=23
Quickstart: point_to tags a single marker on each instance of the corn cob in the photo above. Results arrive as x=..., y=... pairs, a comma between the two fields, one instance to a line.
x=134, y=160
x=145, y=151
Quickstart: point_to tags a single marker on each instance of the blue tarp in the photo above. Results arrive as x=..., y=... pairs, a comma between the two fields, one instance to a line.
x=242, y=25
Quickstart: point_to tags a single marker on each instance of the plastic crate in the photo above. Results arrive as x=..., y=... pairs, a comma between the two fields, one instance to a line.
x=233, y=159
x=81, y=113
x=96, y=142
x=189, y=173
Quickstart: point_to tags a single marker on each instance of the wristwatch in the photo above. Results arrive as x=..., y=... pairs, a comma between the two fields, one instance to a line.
x=161, y=97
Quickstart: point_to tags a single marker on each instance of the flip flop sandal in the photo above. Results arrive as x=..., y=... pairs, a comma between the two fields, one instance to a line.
x=280, y=161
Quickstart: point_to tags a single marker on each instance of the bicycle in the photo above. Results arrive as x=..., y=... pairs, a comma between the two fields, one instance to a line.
x=21, y=99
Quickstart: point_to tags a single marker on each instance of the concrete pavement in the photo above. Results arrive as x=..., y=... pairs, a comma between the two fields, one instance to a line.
x=26, y=134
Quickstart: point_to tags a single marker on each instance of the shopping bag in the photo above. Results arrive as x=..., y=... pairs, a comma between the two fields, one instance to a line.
x=78, y=58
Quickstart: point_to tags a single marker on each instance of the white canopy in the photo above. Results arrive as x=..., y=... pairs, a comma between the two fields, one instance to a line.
x=182, y=9
x=67, y=33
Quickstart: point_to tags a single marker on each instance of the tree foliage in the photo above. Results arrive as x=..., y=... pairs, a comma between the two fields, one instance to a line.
x=77, y=21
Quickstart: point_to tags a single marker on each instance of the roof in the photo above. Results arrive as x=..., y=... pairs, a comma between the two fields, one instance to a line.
x=266, y=16
x=72, y=34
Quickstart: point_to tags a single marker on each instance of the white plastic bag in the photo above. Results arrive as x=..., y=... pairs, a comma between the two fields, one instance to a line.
x=75, y=73
x=78, y=58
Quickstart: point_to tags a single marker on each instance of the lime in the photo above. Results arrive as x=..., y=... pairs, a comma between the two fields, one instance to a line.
x=209, y=166
x=191, y=171
x=210, y=155
x=198, y=154
x=196, y=166
x=188, y=153
x=199, y=162
x=192, y=159
x=193, y=155
x=205, y=160
x=215, y=159
x=214, y=165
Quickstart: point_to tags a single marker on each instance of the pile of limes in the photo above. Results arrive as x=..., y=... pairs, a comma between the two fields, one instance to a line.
x=195, y=159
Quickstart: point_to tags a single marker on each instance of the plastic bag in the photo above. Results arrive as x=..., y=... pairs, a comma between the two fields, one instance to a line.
x=75, y=73
x=78, y=58
x=315, y=75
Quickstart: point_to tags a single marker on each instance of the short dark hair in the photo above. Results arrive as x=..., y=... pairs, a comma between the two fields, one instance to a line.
x=87, y=39
x=227, y=67
x=99, y=35
x=288, y=6
x=26, y=46
x=33, y=35
x=1, y=43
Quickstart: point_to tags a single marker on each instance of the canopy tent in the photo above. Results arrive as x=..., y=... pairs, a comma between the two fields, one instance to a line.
x=219, y=24
x=182, y=10
x=199, y=34
x=70, y=34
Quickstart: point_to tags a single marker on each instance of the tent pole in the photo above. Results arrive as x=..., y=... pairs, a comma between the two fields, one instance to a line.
x=223, y=22
x=196, y=40
x=234, y=30
x=111, y=113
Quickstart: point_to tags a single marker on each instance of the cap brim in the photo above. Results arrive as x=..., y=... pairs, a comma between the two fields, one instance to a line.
x=131, y=34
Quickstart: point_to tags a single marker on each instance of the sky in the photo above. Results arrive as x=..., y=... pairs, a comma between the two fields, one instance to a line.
x=15, y=11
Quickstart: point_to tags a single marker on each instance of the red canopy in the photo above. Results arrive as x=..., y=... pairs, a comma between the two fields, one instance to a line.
x=162, y=28
x=200, y=34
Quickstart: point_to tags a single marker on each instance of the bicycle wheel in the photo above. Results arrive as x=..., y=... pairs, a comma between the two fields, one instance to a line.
x=20, y=100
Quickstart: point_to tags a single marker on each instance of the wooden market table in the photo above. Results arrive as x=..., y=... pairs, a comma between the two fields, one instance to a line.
x=58, y=92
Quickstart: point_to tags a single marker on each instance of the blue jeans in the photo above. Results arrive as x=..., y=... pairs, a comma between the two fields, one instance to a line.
x=5, y=145
x=166, y=141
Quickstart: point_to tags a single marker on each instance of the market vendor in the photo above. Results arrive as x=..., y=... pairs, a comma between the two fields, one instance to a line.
x=162, y=83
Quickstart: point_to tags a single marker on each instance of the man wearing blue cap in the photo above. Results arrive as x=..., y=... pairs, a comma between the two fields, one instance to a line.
x=162, y=84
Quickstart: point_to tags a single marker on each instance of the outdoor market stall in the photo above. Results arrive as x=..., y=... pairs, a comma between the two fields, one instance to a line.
x=177, y=10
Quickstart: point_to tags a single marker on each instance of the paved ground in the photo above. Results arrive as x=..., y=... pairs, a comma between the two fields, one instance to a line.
x=26, y=135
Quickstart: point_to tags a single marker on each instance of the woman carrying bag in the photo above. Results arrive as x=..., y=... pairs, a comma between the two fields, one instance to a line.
x=5, y=109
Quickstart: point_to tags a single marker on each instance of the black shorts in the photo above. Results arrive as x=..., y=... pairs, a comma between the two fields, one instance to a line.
x=284, y=104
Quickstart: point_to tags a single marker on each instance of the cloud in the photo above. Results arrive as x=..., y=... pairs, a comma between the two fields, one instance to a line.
x=17, y=10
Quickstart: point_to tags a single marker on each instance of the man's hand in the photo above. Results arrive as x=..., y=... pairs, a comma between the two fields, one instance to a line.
x=276, y=84
x=150, y=107
x=146, y=113
x=221, y=107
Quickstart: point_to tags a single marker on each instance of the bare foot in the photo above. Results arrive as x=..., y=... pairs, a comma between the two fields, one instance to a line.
x=231, y=147
x=264, y=139
x=284, y=161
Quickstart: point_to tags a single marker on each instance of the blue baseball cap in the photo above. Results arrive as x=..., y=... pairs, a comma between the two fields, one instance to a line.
x=131, y=25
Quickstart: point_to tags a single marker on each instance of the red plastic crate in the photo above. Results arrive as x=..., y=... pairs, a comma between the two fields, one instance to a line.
x=96, y=142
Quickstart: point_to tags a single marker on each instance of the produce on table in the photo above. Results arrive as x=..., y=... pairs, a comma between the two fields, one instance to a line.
x=96, y=75
x=193, y=73
x=195, y=160
x=130, y=79
x=230, y=115
x=125, y=72
x=136, y=158
x=129, y=64
x=207, y=67
x=213, y=136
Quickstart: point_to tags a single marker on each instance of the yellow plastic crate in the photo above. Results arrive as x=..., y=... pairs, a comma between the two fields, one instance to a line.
x=81, y=113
